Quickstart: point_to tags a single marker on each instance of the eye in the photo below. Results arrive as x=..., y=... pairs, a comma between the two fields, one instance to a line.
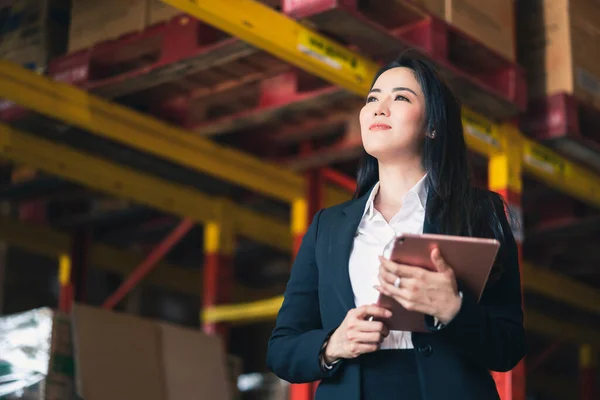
x=400, y=97
x=371, y=99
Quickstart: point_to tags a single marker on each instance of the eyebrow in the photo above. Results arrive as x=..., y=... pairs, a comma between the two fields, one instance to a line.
x=396, y=89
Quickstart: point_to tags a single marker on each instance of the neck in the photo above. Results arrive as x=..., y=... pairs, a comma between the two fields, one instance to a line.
x=395, y=181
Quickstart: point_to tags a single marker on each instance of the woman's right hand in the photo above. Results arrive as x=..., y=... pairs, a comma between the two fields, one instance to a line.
x=357, y=335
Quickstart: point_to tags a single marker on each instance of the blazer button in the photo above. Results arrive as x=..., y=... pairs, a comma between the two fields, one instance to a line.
x=426, y=350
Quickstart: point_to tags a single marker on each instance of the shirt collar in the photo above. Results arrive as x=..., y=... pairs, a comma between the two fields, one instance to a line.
x=419, y=189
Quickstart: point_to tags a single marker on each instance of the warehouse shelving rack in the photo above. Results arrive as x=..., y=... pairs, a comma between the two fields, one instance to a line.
x=510, y=154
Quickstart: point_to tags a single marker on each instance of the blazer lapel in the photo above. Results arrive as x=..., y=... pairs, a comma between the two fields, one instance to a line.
x=341, y=239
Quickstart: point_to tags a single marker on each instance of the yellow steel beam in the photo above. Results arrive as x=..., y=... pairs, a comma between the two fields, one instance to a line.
x=560, y=288
x=46, y=241
x=125, y=182
x=108, y=120
x=563, y=175
x=576, y=333
x=287, y=39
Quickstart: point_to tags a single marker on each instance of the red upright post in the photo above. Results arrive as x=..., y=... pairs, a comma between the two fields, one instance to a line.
x=302, y=212
x=504, y=177
x=588, y=373
x=72, y=271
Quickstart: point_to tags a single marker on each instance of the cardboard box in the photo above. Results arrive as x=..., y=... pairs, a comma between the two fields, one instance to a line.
x=560, y=48
x=159, y=12
x=123, y=357
x=492, y=22
x=37, y=351
x=94, y=21
x=34, y=32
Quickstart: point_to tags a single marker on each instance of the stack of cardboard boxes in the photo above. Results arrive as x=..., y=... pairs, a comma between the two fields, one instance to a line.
x=492, y=22
x=32, y=32
x=556, y=41
x=95, y=354
x=560, y=48
x=94, y=21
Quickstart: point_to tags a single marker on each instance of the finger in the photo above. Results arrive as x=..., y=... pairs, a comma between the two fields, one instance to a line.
x=411, y=301
x=372, y=310
x=386, y=277
x=365, y=337
x=367, y=326
x=438, y=261
x=400, y=270
x=407, y=285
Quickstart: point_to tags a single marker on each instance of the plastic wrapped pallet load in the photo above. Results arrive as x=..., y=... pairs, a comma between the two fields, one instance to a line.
x=36, y=356
x=262, y=386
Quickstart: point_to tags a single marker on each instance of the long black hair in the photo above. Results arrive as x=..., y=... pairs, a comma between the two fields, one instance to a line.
x=457, y=206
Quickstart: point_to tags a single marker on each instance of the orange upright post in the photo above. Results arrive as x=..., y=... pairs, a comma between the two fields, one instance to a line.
x=219, y=246
x=504, y=177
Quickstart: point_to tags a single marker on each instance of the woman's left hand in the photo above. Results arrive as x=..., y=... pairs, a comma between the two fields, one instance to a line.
x=433, y=293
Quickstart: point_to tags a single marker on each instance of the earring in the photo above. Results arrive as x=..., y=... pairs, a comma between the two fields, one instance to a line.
x=431, y=135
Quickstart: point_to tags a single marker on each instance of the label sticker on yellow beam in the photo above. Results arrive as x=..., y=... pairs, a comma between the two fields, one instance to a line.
x=480, y=128
x=546, y=160
x=330, y=53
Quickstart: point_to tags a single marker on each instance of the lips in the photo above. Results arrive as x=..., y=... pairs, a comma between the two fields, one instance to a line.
x=379, y=127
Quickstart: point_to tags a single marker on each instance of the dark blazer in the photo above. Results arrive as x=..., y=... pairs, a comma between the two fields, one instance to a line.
x=453, y=362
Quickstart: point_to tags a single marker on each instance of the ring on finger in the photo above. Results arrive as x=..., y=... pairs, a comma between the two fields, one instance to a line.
x=397, y=282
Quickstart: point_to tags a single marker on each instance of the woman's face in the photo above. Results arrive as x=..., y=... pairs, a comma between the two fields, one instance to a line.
x=392, y=122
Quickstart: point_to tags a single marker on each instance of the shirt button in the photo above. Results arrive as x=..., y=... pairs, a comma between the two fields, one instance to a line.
x=426, y=349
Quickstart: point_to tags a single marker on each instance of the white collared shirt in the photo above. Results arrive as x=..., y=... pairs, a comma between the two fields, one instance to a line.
x=372, y=235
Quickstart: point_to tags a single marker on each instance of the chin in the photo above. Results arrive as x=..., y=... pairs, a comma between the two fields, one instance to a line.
x=386, y=152
x=379, y=152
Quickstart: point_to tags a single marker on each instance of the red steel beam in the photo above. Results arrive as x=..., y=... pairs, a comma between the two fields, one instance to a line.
x=149, y=263
x=539, y=360
x=342, y=180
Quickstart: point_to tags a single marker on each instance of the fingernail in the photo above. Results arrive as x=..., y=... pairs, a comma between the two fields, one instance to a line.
x=388, y=313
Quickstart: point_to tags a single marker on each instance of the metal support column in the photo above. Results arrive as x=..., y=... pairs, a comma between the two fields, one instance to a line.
x=505, y=178
x=588, y=372
x=219, y=248
x=72, y=271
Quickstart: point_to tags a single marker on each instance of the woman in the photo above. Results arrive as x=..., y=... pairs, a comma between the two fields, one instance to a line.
x=414, y=178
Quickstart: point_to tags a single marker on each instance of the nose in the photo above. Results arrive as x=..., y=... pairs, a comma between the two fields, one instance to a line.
x=382, y=109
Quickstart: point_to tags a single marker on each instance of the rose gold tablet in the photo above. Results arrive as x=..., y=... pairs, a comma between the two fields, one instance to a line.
x=471, y=259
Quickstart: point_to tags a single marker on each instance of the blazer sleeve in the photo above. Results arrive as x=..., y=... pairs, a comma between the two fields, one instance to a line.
x=491, y=332
x=296, y=341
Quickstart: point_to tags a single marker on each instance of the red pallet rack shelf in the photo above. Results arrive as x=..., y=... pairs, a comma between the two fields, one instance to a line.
x=567, y=124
